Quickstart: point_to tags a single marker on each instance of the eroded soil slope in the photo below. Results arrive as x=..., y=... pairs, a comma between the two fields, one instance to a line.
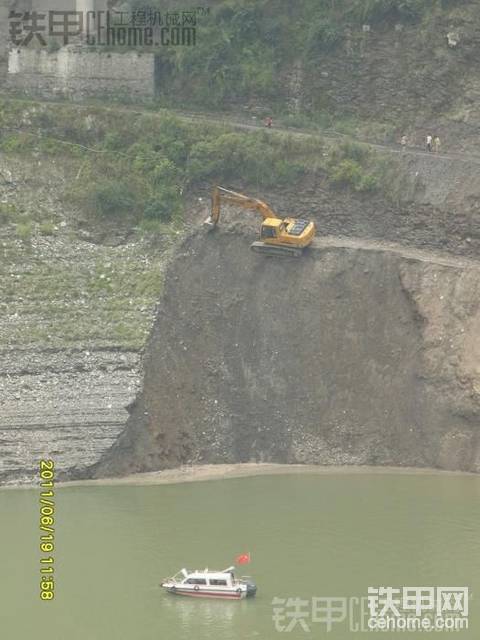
x=351, y=355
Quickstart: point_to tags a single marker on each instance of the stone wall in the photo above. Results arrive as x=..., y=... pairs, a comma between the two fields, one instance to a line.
x=75, y=72
x=3, y=40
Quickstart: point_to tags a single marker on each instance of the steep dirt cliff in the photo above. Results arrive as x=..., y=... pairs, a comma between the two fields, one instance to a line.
x=355, y=354
x=77, y=296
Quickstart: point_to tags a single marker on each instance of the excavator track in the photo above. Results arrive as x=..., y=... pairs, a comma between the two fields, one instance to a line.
x=276, y=250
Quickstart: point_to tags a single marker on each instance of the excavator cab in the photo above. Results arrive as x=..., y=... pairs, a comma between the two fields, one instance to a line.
x=291, y=232
x=271, y=228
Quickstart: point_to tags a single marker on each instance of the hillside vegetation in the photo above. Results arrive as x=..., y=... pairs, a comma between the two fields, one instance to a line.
x=139, y=170
x=345, y=63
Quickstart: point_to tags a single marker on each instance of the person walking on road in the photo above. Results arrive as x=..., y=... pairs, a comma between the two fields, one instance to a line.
x=436, y=144
x=429, y=142
x=403, y=142
x=268, y=122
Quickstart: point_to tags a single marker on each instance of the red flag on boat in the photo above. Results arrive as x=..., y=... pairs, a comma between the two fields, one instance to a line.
x=243, y=558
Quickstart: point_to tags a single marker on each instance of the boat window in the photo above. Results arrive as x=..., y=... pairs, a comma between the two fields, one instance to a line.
x=218, y=583
x=196, y=581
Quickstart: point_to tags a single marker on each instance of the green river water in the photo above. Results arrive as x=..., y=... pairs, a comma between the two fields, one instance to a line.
x=329, y=535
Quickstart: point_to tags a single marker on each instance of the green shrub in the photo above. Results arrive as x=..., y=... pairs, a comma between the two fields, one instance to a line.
x=114, y=141
x=297, y=121
x=203, y=161
x=256, y=71
x=145, y=158
x=163, y=134
x=367, y=183
x=8, y=213
x=348, y=173
x=288, y=172
x=24, y=230
x=164, y=205
x=13, y=142
x=47, y=228
x=165, y=172
x=322, y=36
x=111, y=197
x=236, y=156
x=354, y=150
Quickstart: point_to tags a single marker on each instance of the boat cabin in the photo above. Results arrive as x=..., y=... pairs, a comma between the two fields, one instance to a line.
x=210, y=584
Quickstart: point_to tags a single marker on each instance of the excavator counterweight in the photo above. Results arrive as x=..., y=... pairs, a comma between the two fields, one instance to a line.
x=279, y=237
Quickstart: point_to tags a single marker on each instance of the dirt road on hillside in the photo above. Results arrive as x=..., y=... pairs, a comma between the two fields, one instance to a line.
x=235, y=122
x=432, y=257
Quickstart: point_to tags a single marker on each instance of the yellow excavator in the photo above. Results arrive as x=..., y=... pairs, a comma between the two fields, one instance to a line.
x=287, y=237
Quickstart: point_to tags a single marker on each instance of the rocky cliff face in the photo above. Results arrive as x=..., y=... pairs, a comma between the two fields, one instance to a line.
x=416, y=76
x=352, y=355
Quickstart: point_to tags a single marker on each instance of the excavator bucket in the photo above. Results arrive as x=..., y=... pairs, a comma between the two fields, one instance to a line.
x=209, y=224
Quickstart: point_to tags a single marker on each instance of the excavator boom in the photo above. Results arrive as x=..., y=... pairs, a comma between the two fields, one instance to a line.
x=220, y=194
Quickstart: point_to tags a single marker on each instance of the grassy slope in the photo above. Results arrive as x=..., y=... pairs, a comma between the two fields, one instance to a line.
x=59, y=286
x=77, y=180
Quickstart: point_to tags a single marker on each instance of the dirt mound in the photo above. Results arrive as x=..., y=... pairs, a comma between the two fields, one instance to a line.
x=346, y=356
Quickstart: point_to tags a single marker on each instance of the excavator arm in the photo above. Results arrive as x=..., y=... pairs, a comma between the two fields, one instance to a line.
x=220, y=194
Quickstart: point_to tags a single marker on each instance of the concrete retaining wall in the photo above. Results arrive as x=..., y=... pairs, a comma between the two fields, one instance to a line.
x=75, y=71
x=3, y=40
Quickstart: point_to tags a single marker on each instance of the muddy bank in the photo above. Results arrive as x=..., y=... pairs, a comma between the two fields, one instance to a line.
x=350, y=356
x=203, y=473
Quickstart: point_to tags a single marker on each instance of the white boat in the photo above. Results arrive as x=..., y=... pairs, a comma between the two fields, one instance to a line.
x=210, y=584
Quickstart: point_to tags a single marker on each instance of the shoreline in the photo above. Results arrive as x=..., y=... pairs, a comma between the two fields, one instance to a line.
x=202, y=473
